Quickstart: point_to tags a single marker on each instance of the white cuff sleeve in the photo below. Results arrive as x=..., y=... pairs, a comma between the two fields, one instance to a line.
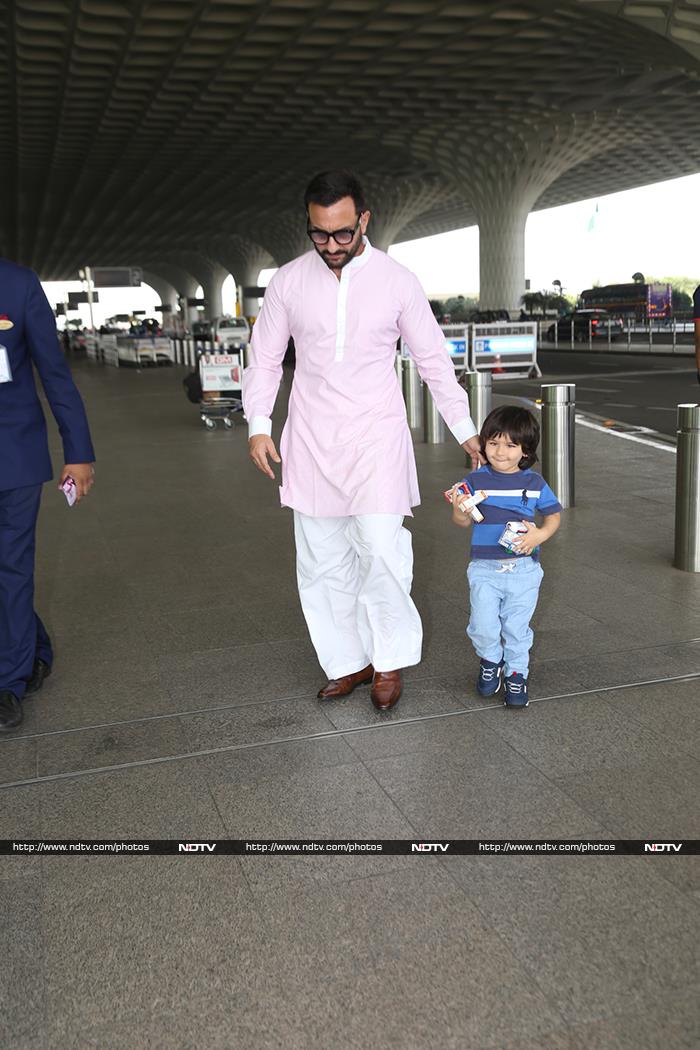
x=259, y=425
x=464, y=430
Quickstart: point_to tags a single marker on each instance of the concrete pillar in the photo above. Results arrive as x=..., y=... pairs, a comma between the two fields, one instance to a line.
x=502, y=223
x=210, y=274
x=244, y=259
x=282, y=234
x=395, y=202
x=168, y=296
x=502, y=171
x=184, y=282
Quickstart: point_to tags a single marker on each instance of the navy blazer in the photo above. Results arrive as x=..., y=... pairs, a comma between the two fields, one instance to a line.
x=32, y=339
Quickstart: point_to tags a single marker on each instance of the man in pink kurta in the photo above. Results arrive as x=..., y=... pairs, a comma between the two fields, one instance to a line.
x=348, y=467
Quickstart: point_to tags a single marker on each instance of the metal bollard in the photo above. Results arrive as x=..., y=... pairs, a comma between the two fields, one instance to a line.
x=412, y=393
x=433, y=425
x=687, y=533
x=398, y=367
x=558, y=439
x=479, y=387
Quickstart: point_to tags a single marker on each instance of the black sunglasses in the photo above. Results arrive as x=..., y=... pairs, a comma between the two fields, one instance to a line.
x=341, y=237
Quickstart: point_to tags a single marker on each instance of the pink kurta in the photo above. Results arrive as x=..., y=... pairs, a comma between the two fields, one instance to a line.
x=346, y=447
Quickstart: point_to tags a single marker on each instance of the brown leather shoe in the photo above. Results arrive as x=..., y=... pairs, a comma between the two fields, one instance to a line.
x=345, y=685
x=386, y=689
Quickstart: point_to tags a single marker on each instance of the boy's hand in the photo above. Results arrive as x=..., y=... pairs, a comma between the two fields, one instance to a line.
x=530, y=539
x=458, y=515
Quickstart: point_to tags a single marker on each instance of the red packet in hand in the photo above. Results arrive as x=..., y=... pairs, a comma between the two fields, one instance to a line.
x=466, y=502
x=69, y=490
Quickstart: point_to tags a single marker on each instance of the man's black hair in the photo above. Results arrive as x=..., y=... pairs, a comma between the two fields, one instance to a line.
x=516, y=423
x=329, y=187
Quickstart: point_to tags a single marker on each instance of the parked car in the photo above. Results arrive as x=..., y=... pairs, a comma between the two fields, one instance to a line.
x=227, y=333
x=586, y=323
x=231, y=333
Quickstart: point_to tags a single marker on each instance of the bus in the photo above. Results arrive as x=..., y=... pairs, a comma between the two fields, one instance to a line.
x=639, y=302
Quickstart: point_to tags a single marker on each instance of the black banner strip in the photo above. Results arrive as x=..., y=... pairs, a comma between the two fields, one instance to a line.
x=347, y=847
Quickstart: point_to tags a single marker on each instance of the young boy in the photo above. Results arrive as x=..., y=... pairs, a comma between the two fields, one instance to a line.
x=503, y=583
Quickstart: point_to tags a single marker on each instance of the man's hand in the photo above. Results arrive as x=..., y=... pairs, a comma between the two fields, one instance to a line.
x=473, y=450
x=260, y=447
x=83, y=475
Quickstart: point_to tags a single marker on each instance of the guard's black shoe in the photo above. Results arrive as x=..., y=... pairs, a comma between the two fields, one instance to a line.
x=11, y=713
x=40, y=671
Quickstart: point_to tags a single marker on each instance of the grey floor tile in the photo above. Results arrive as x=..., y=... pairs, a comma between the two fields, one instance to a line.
x=461, y=732
x=340, y=802
x=386, y=925
x=492, y=793
x=18, y=759
x=343, y=802
x=247, y=766
x=234, y=675
x=573, y=929
x=22, y=990
x=656, y=800
x=670, y=709
x=89, y=696
x=123, y=958
x=671, y=1020
x=254, y=723
x=578, y=734
x=277, y=621
x=111, y=746
x=215, y=625
x=165, y=801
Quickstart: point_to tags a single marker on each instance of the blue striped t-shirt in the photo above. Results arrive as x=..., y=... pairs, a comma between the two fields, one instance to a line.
x=509, y=497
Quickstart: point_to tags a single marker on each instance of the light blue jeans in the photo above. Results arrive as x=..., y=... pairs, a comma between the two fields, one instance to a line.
x=503, y=596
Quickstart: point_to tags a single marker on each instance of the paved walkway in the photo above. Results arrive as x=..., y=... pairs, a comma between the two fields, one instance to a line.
x=183, y=705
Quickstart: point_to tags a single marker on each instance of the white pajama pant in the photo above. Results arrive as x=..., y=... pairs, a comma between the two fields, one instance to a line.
x=354, y=575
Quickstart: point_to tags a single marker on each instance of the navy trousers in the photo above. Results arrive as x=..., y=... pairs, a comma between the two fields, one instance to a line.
x=23, y=636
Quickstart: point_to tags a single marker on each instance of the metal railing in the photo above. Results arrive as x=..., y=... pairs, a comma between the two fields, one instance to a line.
x=634, y=337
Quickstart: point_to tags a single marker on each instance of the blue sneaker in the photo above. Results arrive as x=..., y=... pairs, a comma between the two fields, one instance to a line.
x=516, y=691
x=490, y=675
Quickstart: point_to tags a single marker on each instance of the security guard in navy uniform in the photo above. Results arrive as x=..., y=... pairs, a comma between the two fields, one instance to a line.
x=28, y=337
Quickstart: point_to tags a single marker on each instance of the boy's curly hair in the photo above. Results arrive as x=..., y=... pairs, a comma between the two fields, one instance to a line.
x=516, y=423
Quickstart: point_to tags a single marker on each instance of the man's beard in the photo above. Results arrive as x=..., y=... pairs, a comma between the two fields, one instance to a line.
x=342, y=259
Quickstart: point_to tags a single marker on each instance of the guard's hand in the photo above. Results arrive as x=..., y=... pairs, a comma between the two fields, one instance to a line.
x=473, y=450
x=261, y=447
x=83, y=475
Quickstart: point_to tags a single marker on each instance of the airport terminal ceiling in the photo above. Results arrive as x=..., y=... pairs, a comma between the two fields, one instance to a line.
x=139, y=131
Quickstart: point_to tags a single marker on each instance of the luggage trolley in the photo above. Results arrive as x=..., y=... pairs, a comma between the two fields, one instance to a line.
x=221, y=377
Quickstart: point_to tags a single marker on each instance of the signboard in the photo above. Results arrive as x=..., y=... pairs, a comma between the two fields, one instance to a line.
x=60, y=310
x=80, y=297
x=253, y=292
x=220, y=371
x=525, y=343
x=505, y=348
x=196, y=302
x=456, y=347
x=117, y=276
x=164, y=308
